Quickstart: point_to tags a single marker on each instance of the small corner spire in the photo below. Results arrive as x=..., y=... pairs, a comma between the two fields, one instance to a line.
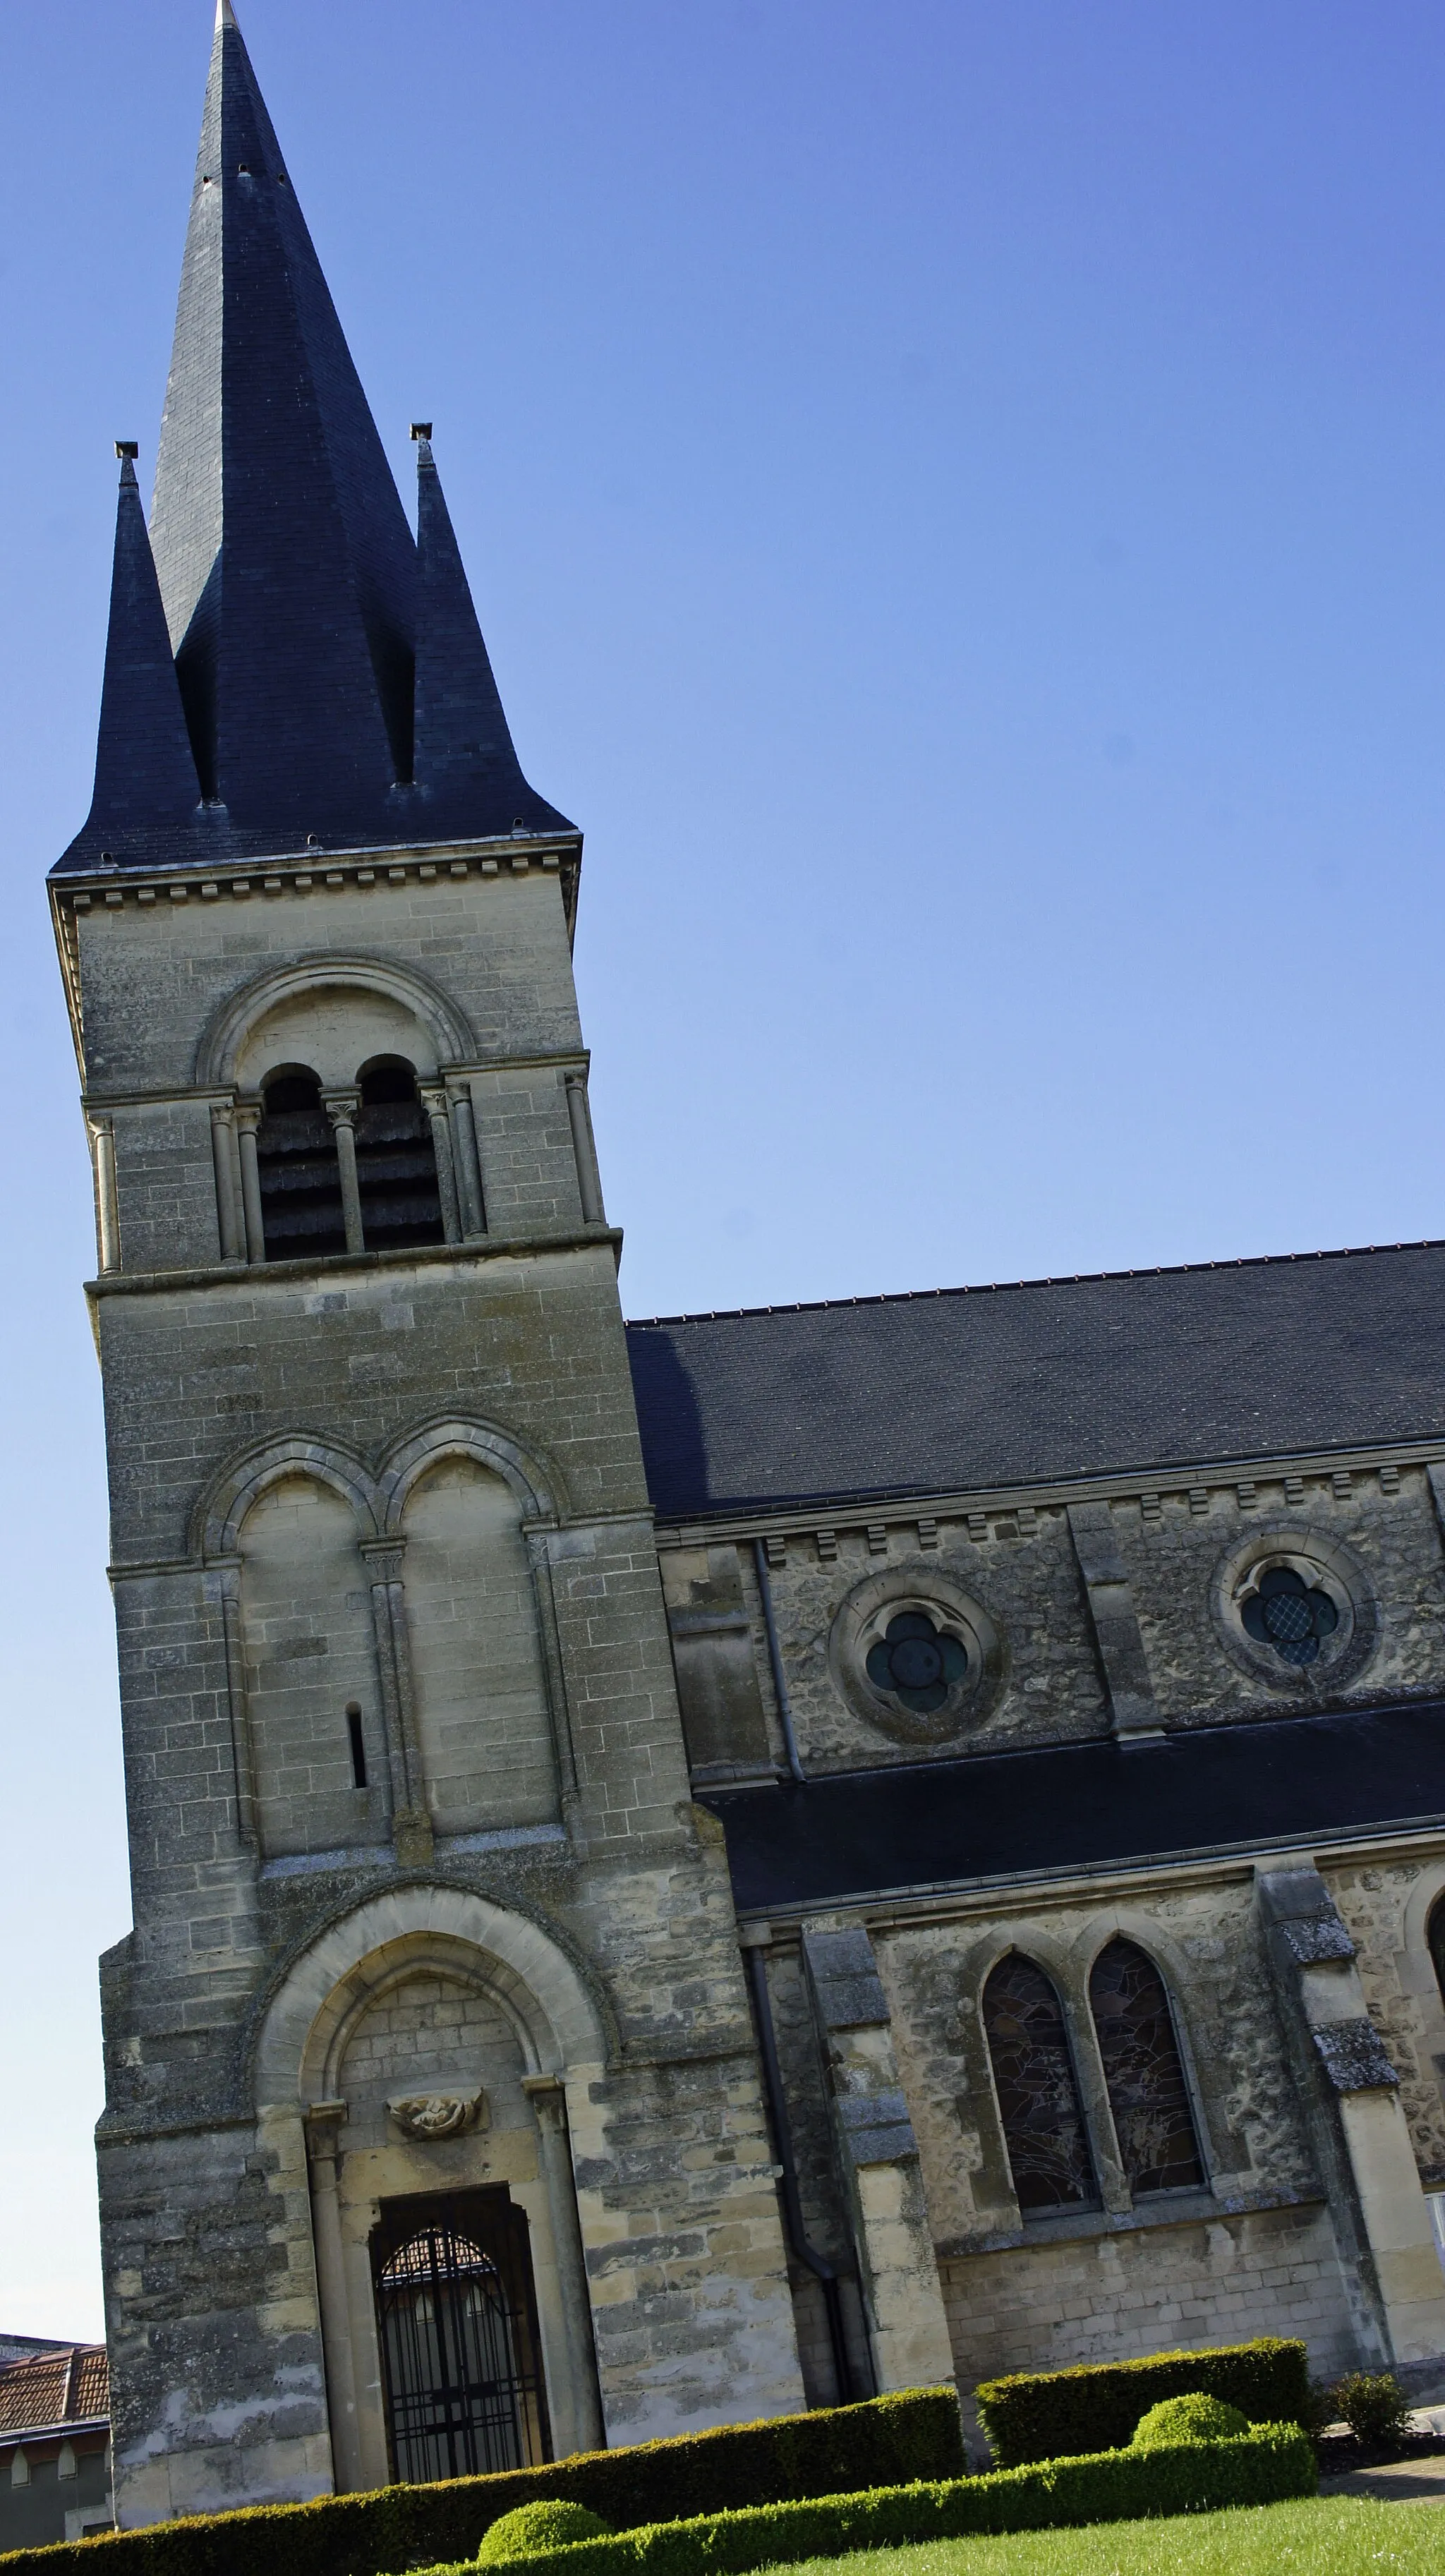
x=465, y=763
x=145, y=775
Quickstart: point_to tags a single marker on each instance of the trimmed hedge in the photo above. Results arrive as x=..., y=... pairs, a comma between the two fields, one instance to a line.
x=886, y=2441
x=1263, y=2467
x=1058, y=2414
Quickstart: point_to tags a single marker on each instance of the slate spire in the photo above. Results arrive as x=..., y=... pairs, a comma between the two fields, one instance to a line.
x=465, y=763
x=288, y=574
x=144, y=773
x=285, y=561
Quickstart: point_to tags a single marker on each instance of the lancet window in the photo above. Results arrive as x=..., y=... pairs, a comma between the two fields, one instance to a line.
x=1038, y=2096
x=1148, y=2095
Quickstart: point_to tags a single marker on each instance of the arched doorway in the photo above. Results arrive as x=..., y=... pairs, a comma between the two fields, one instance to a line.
x=456, y=2317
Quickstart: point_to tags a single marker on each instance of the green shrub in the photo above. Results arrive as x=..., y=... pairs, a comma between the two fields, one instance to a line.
x=1188, y=2419
x=1374, y=2406
x=1054, y=2414
x=531, y=2528
x=1260, y=2467
x=884, y=2442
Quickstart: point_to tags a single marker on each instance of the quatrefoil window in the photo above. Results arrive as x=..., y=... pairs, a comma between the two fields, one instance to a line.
x=1290, y=1615
x=916, y=1662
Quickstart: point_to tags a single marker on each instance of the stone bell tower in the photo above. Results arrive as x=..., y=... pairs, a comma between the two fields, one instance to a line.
x=433, y=2138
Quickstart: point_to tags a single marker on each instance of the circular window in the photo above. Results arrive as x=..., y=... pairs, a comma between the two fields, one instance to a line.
x=1295, y=1609
x=915, y=1655
x=1289, y=1614
x=917, y=1662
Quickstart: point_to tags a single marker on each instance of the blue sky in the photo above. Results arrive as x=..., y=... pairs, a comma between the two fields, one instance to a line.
x=955, y=498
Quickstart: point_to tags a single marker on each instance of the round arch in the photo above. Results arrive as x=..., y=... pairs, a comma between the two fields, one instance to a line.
x=230, y=1025
x=301, y=2032
x=536, y=1486
x=216, y=1521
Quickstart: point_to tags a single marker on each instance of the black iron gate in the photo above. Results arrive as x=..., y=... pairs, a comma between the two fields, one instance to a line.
x=456, y=2320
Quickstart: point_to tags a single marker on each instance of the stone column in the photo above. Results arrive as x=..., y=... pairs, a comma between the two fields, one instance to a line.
x=908, y=2330
x=341, y=1108
x=107, y=1206
x=230, y=1223
x=434, y=1102
x=248, y=1119
x=323, y=2148
x=548, y=2097
x=589, y=1179
x=411, y=1825
x=228, y=1574
x=1351, y=2091
x=1116, y=1626
x=466, y=1161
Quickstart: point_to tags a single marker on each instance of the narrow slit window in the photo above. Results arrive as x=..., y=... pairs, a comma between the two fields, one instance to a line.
x=1038, y=2099
x=1147, y=2092
x=297, y=1167
x=396, y=1168
x=358, y=1744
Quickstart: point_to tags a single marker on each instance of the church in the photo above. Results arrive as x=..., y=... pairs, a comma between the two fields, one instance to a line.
x=692, y=1869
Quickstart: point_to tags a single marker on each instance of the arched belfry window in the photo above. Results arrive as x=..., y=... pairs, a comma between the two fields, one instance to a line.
x=1147, y=2092
x=297, y=1167
x=396, y=1168
x=1038, y=2098
x=457, y=2324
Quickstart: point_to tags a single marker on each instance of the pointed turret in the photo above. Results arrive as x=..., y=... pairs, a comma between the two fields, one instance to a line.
x=145, y=777
x=287, y=570
x=467, y=774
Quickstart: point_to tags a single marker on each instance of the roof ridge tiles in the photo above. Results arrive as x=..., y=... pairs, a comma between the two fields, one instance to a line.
x=1011, y=1287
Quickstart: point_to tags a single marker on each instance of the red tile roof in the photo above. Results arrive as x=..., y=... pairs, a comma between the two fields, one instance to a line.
x=71, y=2386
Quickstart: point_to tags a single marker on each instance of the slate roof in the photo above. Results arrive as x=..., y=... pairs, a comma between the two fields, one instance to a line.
x=1083, y=1806
x=290, y=580
x=69, y=2386
x=971, y=1388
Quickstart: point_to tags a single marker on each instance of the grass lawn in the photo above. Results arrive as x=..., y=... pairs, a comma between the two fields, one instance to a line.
x=1326, y=2536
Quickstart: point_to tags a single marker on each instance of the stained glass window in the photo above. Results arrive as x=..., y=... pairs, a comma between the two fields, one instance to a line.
x=917, y=1662
x=1033, y=2071
x=1147, y=2091
x=1287, y=1614
x=1436, y=1938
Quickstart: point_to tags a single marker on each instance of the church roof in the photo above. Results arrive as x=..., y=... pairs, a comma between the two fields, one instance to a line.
x=964, y=1389
x=1068, y=1807
x=288, y=572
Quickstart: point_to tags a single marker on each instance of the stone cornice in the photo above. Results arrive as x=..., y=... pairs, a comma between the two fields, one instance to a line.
x=344, y=1265
x=1180, y=1481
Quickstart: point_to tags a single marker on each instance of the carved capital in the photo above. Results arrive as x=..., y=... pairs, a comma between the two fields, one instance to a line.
x=341, y=1106
x=548, y=2097
x=383, y=1558
x=324, y=2122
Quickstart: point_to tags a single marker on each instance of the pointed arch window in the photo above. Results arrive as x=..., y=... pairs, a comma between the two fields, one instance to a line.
x=396, y=1170
x=1148, y=2095
x=1435, y=1935
x=297, y=1168
x=1038, y=2096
